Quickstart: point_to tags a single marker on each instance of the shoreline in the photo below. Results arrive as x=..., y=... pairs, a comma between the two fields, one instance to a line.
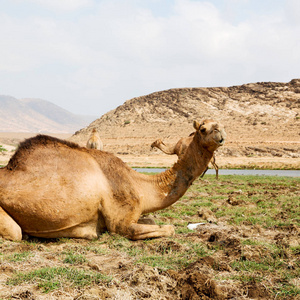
x=223, y=162
x=167, y=161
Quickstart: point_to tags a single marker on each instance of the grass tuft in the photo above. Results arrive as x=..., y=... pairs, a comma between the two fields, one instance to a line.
x=49, y=279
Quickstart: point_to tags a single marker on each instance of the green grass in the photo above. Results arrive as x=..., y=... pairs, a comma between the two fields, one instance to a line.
x=2, y=149
x=296, y=250
x=269, y=202
x=74, y=259
x=17, y=257
x=263, y=198
x=251, y=202
x=49, y=279
x=168, y=256
x=276, y=266
x=172, y=253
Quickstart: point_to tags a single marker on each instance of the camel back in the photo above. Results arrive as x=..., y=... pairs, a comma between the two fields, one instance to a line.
x=38, y=141
x=108, y=162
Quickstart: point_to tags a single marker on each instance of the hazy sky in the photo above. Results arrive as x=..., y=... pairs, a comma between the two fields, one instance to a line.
x=90, y=56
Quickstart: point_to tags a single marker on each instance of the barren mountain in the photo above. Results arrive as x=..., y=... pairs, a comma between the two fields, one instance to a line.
x=36, y=115
x=261, y=119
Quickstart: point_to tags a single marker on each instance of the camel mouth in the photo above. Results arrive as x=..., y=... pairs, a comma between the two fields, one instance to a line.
x=220, y=142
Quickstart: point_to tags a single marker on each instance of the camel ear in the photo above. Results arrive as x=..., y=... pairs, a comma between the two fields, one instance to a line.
x=196, y=125
x=199, y=127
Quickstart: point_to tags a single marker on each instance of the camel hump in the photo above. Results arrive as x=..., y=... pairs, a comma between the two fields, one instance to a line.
x=28, y=145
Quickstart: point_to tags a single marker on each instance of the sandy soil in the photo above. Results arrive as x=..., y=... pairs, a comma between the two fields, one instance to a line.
x=138, y=153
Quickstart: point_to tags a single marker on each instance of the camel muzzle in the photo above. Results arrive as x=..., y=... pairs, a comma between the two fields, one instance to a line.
x=221, y=141
x=222, y=137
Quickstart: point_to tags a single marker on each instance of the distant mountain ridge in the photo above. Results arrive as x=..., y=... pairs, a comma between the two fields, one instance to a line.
x=271, y=105
x=37, y=115
x=261, y=119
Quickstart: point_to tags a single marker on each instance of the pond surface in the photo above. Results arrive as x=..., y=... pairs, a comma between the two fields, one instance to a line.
x=289, y=173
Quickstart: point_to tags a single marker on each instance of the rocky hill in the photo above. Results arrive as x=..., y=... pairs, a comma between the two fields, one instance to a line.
x=36, y=115
x=261, y=119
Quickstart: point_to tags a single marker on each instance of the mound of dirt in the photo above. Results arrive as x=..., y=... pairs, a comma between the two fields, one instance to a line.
x=262, y=121
x=194, y=283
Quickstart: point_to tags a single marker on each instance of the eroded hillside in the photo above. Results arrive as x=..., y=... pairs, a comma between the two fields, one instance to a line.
x=261, y=120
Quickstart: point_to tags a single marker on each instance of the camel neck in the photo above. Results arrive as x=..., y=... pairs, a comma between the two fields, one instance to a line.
x=173, y=183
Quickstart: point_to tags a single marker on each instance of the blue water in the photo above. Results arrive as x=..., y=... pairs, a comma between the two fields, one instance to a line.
x=288, y=173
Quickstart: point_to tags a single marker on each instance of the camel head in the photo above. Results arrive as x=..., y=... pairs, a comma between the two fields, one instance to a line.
x=212, y=134
x=157, y=143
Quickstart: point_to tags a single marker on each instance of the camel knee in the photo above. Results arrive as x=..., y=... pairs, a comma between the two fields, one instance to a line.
x=146, y=220
x=9, y=229
x=15, y=234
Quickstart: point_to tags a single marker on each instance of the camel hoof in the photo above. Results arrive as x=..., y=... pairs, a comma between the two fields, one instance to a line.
x=170, y=229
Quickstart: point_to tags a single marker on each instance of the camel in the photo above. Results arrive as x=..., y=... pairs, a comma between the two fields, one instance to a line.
x=53, y=188
x=94, y=142
x=179, y=148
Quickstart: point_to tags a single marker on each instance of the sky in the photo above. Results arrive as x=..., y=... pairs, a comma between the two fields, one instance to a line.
x=90, y=56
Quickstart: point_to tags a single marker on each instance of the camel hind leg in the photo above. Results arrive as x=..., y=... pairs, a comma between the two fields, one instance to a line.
x=9, y=229
x=213, y=162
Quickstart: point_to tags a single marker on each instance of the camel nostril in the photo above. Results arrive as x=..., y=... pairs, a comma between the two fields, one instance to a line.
x=221, y=141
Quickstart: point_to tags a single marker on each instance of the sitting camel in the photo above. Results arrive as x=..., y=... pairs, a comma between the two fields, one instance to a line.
x=179, y=149
x=53, y=188
x=94, y=142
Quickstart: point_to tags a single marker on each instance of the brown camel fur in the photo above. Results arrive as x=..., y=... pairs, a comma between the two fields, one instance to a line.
x=94, y=142
x=179, y=149
x=53, y=188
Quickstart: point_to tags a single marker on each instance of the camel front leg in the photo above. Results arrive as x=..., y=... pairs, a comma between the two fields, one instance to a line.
x=126, y=220
x=9, y=229
x=144, y=231
x=204, y=172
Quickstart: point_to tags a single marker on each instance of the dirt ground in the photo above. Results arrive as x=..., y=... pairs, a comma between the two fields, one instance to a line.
x=208, y=277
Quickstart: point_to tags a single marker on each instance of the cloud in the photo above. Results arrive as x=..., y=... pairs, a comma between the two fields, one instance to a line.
x=293, y=12
x=94, y=55
x=63, y=5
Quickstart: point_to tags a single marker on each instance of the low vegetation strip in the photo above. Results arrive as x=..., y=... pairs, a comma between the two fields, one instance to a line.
x=247, y=246
x=2, y=149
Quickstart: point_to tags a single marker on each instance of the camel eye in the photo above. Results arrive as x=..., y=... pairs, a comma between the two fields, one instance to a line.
x=203, y=130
